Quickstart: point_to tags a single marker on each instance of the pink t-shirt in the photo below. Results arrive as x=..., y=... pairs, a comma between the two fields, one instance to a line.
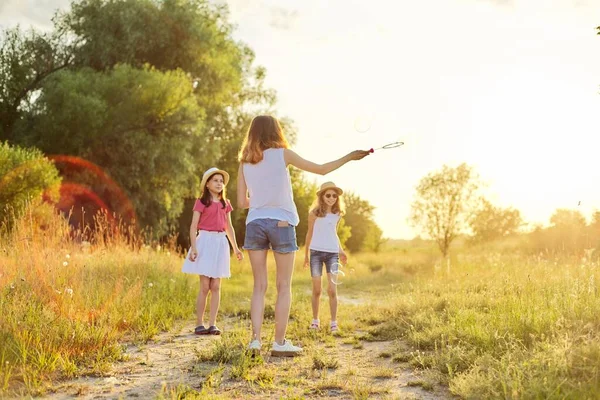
x=214, y=217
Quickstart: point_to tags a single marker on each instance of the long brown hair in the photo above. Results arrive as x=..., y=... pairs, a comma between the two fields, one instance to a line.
x=206, y=198
x=319, y=207
x=264, y=133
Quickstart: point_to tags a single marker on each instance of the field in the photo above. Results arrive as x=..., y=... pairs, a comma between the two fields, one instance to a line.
x=486, y=324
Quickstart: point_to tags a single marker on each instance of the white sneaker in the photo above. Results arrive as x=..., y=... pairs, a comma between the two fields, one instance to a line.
x=254, y=346
x=287, y=349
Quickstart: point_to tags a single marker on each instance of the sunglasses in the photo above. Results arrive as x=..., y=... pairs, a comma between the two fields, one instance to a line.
x=330, y=195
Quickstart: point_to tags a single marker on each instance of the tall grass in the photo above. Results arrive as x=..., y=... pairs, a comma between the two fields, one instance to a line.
x=488, y=324
x=66, y=303
x=502, y=325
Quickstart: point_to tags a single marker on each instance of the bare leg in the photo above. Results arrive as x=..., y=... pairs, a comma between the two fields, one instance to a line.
x=333, y=300
x=316, y=295
x=201, y=299
x=258, y=261
x=215, y=299
x=285, y=268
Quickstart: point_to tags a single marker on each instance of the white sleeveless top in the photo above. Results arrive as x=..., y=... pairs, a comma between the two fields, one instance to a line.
x=325, y=236
x=270, y=189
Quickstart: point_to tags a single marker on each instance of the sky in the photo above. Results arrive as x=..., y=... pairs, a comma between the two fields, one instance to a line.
x=511, y=87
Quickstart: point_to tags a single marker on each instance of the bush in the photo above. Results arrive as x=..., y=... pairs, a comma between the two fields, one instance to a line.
x=25, y=174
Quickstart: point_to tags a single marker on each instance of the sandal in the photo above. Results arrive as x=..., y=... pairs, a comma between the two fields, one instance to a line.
x=314, y=324
x=334, y=327
x=213, y=330
x=201, y=330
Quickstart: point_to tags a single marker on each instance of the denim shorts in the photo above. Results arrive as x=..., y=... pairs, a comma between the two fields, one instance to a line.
x=265, y=234
x=318, y=258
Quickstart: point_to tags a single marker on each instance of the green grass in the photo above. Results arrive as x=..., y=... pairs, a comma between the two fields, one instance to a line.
x=322, y=361
x=501, y=326
x=492, y=326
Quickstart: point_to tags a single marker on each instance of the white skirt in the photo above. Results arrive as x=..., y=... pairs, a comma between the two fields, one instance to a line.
x=213, y=256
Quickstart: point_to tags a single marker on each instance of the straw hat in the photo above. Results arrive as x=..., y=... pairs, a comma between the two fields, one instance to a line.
x=210, y=172
x=329, y=185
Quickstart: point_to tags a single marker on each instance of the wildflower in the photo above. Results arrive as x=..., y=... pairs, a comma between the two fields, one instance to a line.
x=150, y=284
x=68, y=256
x=69, y=291
x=65, y=263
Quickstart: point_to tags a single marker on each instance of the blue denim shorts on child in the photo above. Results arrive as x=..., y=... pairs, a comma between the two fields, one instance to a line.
x=266, y=233
x=318, y=258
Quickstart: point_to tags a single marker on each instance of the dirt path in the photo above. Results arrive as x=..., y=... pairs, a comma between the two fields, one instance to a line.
x=350, y=370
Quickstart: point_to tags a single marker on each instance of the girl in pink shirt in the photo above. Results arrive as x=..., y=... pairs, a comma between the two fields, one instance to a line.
x=209, y=253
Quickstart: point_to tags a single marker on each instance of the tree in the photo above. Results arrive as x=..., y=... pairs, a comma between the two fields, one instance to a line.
x=567, y=219
x=374, y=238
x=443, y=204
x=567, y=230
x=154, y=92
x=24, y=174
x=344, y=232
x=142, y=126
x=359, y=217
x=304, y=195
x=490, y=223
x=26, y=60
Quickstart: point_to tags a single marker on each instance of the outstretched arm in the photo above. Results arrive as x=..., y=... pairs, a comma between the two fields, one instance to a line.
x=294, y=159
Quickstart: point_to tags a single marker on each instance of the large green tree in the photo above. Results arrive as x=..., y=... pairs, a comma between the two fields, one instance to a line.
x=152, y=91
x=140, y=125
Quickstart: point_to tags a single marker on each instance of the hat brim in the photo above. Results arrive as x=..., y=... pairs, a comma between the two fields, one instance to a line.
x=334, y=188
x=220, y=172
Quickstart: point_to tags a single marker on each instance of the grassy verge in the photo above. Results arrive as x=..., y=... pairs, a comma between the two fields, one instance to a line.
x=489, y=325
x=500, y=326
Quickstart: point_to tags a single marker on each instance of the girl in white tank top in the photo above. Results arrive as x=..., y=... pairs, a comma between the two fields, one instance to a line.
x=264, y=187
x=323, y=247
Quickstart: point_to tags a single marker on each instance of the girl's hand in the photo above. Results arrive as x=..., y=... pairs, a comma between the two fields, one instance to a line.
x=343, y=257
x=238, y=254
x=193, y=254
x=358, y=154
x=305, y=262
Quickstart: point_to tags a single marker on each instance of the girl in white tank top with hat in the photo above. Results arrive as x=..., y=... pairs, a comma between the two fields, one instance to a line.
x=264, y=187
x=325, y=248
